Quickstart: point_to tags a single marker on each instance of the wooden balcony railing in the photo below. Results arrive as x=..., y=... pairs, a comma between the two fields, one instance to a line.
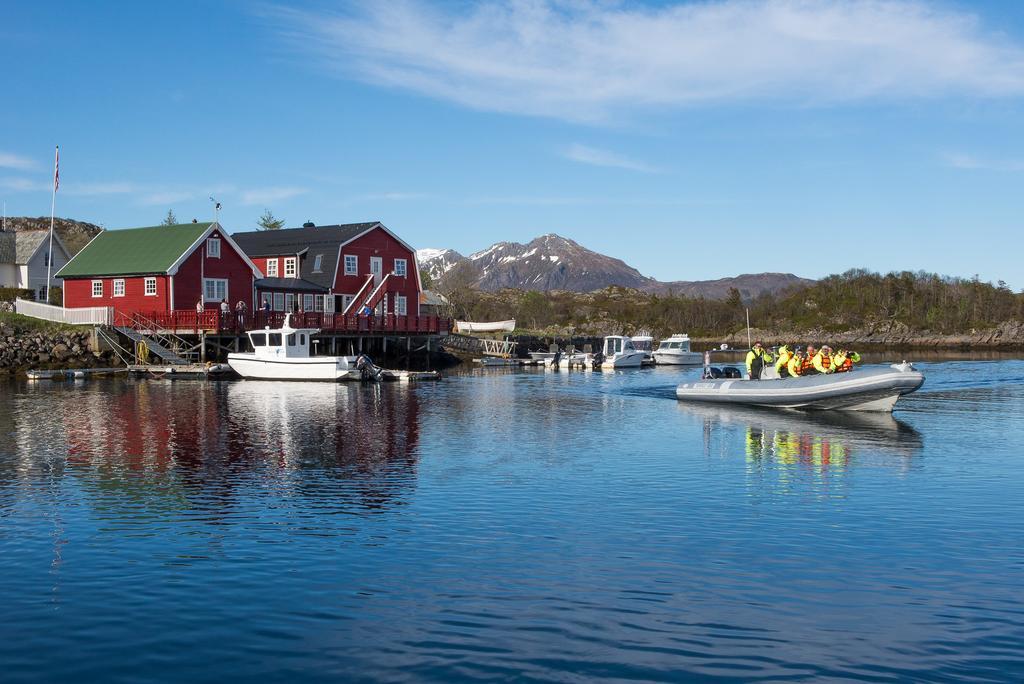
x=214, y=321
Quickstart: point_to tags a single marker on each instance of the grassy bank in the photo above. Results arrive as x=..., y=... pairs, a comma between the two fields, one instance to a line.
x=27, y=324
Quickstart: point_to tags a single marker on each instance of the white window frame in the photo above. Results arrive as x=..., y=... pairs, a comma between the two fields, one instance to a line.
x=318, y=303
x=148, y=285
x=279, y=301
x=329, y=303
x=271, y=268
x=346, y=301
x=42, y=294
x=401, y=309
x=114, y=288
x=318, y=262
x=289, y=301
x=207, y=282
x=404, y=271
x=290, y=265
x=307, y=302
x=213, y=248
x=354, y=268
x=96, y=283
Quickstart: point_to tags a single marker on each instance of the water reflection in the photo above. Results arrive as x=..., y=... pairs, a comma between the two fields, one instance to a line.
x=821, y=441
x=210, y=440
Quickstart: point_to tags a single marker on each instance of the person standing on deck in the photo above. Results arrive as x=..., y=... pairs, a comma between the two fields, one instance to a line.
x=757, y=359
x=240, y=309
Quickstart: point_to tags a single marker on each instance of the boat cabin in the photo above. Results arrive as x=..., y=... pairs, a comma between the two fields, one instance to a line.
x=285, y=342
x=676, y=342
x=616, y=344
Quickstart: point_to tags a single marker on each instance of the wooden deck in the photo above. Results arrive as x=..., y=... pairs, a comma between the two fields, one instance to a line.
x=213, y=322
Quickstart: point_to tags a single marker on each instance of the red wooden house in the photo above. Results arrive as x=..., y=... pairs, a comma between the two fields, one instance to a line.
x=159, y=270
x=335, y=269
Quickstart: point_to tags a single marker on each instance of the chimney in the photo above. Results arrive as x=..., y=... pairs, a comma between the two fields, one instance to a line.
x=309, y=224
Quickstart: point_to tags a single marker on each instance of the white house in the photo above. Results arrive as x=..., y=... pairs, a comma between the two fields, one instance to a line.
x=23, y=260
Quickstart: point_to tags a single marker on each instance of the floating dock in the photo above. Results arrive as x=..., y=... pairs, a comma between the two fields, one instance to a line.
x=71, y=373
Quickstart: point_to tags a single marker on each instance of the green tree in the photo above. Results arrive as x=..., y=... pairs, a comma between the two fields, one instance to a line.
x=170, y=219
x=269, y=222
x=426, y=279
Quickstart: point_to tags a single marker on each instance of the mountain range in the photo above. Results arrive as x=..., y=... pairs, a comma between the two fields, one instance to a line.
x=552, y=262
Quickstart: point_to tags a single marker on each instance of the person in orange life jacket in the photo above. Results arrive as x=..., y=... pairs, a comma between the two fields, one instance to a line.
x=807, y=365
x=757, y=359
x=823, y=360
x=796, y=363
x=843, y=360
x=782, y=363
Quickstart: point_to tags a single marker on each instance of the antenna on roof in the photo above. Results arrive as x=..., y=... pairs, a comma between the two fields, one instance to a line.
x=216, y=211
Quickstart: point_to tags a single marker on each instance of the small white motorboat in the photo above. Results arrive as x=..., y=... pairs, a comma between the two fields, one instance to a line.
x=619, y=352
x=862, y=389
x=675, y=351
x=496, y=326
x=283, y=354
x=644, y=342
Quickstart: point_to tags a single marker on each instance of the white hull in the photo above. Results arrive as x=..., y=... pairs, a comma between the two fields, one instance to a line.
x=678, y=358
x=624, y=360
x=497, y=326
x=321, y=368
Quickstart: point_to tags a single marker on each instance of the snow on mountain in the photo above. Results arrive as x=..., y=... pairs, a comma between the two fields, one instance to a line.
x=552, y=262
x=437, y=262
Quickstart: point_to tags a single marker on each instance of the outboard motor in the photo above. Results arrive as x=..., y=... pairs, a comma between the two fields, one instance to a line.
x=556, y=358
x=713, y=373
x=367, y=371
x=598, y=359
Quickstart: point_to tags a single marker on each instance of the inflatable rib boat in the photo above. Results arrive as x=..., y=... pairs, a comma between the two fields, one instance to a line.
x=863, y=389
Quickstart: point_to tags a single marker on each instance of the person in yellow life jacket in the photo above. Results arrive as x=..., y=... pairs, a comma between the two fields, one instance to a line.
x=823, y=360
x=807, y=366
x=843, y=360
x=782, y=363
x=757, y=358
x=796, y=362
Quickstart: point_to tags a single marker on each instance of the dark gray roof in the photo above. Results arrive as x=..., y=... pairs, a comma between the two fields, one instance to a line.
x=288, y=284
x=319, y=240
x=18, y=247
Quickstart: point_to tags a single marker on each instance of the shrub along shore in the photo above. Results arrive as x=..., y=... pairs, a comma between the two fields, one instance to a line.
x=855, y=308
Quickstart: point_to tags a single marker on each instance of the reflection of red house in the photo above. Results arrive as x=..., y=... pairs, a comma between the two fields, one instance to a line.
x=335, y=269
x=159, y=269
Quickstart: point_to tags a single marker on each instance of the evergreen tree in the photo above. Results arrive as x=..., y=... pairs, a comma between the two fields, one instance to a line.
x=170, y=219
x=269, y=222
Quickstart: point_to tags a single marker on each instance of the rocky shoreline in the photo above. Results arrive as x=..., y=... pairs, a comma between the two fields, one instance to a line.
x=50, y=350
x=1005, y=336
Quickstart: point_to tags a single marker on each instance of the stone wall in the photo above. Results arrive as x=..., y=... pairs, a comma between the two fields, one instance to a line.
x=20, y=350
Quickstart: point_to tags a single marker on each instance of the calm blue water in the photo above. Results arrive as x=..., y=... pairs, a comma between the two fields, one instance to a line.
x=498, y=525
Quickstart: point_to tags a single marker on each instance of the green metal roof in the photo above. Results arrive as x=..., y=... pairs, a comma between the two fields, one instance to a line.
x=132, y=251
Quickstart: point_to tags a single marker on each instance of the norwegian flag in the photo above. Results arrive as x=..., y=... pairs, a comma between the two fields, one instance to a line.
x=56, y=169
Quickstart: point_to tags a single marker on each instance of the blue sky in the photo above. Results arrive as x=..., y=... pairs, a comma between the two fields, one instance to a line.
x=693, y=140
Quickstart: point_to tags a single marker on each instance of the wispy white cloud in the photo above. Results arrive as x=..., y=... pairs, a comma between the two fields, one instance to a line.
x=23, y=185
x=971, y=163
x=270, y=195
x=15, y=161
x=589, y=59
x=595, y=157
x=163, y=197
x=393, y=196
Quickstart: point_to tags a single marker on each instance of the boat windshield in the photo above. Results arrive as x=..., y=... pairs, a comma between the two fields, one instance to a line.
x=258, y=339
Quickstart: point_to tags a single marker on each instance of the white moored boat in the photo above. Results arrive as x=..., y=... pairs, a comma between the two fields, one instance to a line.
x=496, y=326
x=862, y=389
x=643, y=342
x=675, y=351
x=618, y=352
x=283, y=354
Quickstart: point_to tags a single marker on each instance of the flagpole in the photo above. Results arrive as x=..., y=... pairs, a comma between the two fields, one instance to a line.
x=53, y=206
